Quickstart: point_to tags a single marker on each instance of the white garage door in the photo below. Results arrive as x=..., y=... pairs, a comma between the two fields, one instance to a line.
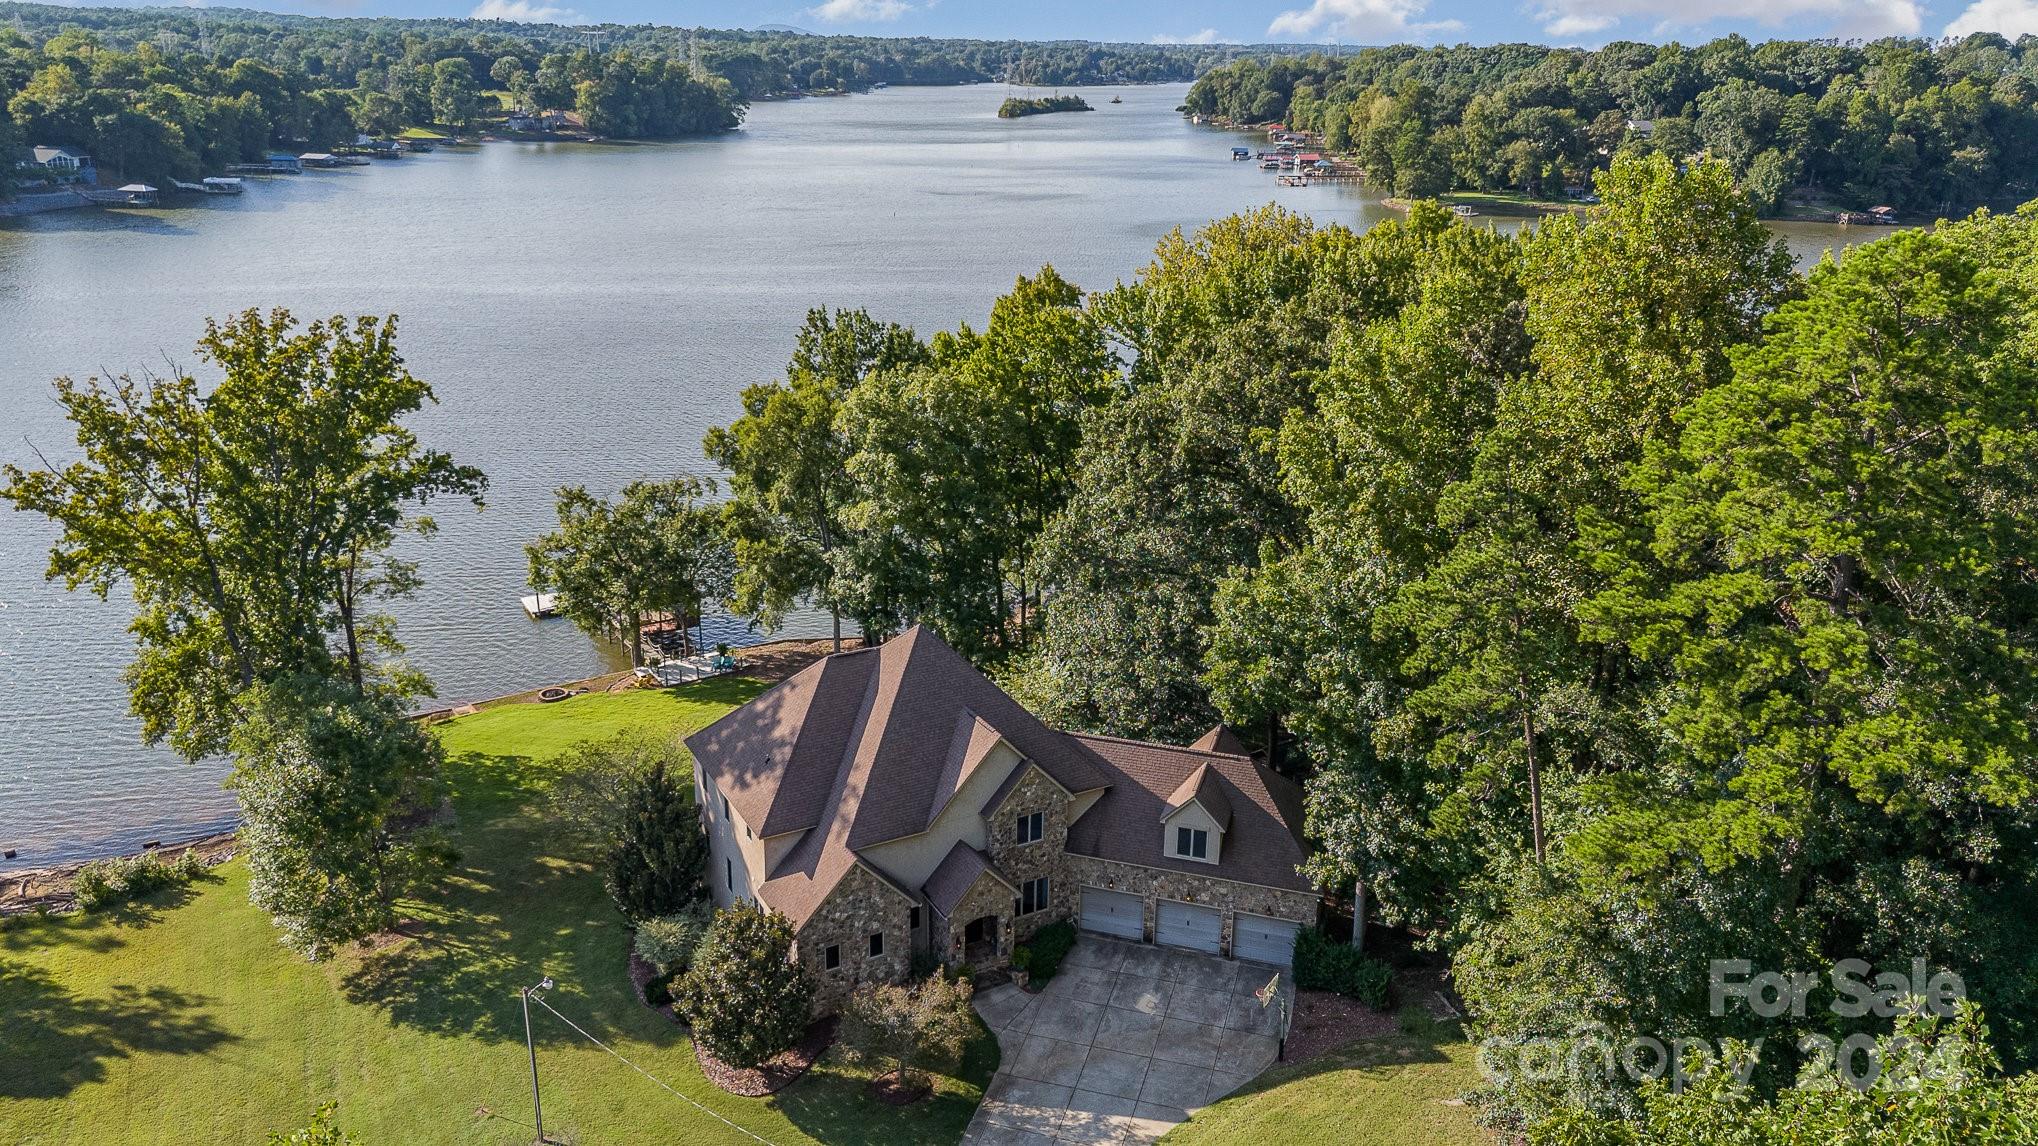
x=1187, y=925
x=1264, y=940
x=1113, y=913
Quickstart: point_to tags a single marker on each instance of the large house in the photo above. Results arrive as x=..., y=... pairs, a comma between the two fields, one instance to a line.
x=893, y=802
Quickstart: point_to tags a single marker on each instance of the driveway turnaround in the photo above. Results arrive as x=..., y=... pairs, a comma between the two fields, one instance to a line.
x=1121, y=1045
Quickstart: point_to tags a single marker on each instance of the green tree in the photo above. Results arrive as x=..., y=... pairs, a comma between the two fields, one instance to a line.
x=909, y=1030
x=746, y=996
x=657, y=864
x=337, y=791
x=456, y=99
x=597, y=780
x=789, y=484
x=657, y=548
x=253, y=521
x=960, y=462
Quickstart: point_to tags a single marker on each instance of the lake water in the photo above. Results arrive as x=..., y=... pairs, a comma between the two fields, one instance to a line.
x=584, y=313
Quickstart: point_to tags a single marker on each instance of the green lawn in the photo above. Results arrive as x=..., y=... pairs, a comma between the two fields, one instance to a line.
x=181, y=1020
x=1395, y=1091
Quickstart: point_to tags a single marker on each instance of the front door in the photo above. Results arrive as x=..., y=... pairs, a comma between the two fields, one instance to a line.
x=980, y=939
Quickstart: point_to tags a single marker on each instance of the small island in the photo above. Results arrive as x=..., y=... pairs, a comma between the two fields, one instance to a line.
x=1015, y=108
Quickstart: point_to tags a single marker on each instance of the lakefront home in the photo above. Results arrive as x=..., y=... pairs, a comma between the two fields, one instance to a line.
x=892, y=802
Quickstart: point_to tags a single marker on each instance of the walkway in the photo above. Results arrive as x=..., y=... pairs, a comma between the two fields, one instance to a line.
x=1121, y=1046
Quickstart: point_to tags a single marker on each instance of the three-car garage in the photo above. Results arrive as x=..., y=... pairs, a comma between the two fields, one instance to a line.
x=1189, y=926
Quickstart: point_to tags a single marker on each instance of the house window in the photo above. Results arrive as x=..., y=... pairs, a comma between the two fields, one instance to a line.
x=729, y=874
x=1192, y=843
x=1033, y=896
x=1030, y=827
x=877, y=943
x=831, y=957
x=725, y=807
x=913, y=919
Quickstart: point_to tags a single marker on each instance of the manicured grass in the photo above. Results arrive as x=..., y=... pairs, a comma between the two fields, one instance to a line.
x=180, y=1019
x=1394, y=1091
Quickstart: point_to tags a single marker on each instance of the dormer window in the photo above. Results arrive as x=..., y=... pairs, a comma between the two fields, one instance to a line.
x=1031, y=827
x=1192, y=843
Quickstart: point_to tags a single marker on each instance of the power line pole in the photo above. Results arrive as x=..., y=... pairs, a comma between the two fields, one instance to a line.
x=531, y=1047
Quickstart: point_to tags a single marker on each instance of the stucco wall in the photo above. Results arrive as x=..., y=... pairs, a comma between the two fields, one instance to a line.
x=728, y=848
x=1191, y=815
x=913, y=859
x=1153, y=884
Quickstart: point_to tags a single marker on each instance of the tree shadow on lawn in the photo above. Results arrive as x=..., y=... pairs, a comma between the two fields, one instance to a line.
x=522, y=904
x=99, y=932
x=833, y=1103
x=55, y=1041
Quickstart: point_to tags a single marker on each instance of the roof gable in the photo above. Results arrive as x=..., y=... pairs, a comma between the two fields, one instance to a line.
x=1202, y=787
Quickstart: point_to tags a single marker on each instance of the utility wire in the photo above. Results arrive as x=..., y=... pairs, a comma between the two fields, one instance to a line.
x=540, y=1000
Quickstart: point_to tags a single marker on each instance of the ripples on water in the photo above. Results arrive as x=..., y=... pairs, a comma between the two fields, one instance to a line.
x=584, y=314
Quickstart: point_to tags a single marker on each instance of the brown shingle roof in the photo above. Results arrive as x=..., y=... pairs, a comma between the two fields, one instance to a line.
x=1221, y=739
x=776, y=757
x=1202, y=786
x=1263, y=846
x=858, y=749
x=958, y=872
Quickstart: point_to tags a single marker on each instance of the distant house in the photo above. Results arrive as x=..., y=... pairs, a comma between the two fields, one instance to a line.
x=894, y=804
x=1642, y=128
x=522, y=121
x=60, y=165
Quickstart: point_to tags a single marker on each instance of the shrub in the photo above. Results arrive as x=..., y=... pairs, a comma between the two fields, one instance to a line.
x=321, y=1131
x=746, y=998
x=668, y=942
x=1022, y=957
x=906, y=1030
x=104, y=883
x=1324, y=964
x=658, y=864
x=1048, y=947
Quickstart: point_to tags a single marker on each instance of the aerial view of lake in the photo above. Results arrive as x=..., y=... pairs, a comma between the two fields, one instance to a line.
x=584, y=314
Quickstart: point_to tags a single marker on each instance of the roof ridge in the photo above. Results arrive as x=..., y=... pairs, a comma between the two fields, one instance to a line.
x=1158, y=744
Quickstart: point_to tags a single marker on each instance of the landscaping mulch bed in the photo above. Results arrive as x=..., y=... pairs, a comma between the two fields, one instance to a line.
x=1324, y=1022
x=773, y=1075
x=642, y=973
x=893, y=1091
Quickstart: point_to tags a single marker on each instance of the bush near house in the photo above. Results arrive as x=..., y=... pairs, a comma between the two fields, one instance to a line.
x=668, y=943
x=104, y=883
x=1324, y=964
x=657, y=866
x=1041, y=956
x=745, y=996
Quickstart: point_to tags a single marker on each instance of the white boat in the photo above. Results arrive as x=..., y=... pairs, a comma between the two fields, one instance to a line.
x=221, y=185
x=541, y=604
x=1463, y=211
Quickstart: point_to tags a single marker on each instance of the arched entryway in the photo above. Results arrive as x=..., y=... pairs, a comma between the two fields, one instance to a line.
x=980, y=940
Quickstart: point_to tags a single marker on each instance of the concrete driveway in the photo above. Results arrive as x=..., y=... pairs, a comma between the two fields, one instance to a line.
x=1121, y=1045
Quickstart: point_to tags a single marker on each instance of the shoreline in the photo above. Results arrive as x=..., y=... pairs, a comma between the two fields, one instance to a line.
x=46, y=887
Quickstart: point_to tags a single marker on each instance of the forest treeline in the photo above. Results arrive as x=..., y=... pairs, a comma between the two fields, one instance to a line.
x=169, y=92
x=1920, y=125
x=1626, y=598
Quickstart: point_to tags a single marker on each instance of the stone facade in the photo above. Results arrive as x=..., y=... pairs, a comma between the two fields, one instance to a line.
x=860, y=905
x=1035, y=792
x=988, y=896
x=1155, y=884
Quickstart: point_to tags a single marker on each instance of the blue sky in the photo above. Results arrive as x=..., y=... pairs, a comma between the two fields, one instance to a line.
x=1587, y=22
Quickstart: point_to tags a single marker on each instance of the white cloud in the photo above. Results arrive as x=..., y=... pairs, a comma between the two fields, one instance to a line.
x=2011, y=18
x=1206, y=36
x=1865, y=19
x=525, y=12
x=859, y=11
x=1376, y=21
